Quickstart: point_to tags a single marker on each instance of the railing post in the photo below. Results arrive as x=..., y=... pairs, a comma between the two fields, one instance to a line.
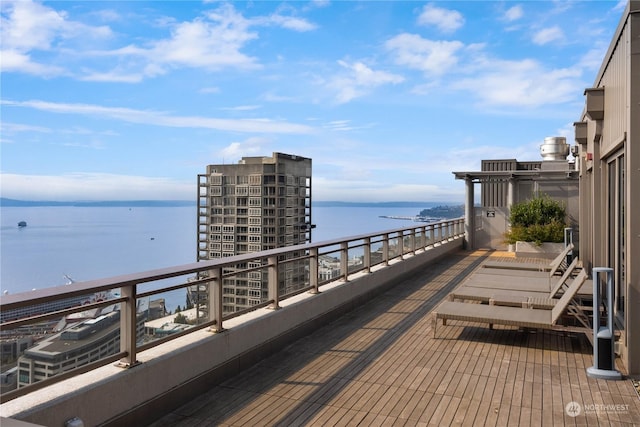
x=385, y=248
x=344, y=261
x=413, y=241
x=128, y=326
x=367, y=254
x=428, y=238
x=215, y=299
x=274, y=295
x=313, y=271
x=401, y=244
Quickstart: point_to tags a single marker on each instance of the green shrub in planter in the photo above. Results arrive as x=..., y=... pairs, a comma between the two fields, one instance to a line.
x=537, y=220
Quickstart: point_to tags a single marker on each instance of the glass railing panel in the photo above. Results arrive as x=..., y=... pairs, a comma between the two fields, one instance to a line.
x=329, y=267
x=376, y=252
x=355, y=261
x=394, y=248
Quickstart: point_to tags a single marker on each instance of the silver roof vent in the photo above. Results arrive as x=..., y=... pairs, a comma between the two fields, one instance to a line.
x=554, y=148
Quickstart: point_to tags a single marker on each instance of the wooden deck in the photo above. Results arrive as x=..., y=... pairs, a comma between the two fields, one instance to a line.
x=380, y=365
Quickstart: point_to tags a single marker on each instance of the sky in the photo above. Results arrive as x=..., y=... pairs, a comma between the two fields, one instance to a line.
x=131, y=100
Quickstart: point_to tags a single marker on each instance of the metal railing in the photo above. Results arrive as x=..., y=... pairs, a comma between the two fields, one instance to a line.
x=283, y=272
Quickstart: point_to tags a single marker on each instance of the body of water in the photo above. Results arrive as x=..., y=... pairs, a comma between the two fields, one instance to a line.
x=87, y=243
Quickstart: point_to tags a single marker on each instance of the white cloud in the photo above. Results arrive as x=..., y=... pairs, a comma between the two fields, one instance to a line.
x=93, y=186
x=30, y=25
x=621, y=5
x=213, y=43
x=156, y=118
x=325, y=188
x=358, y=80
x=236, y=150
x=339, y=125
x=525, y=83
x=113, y=76
x=548, y=35
x=27, y=27
x=444, y=19
x=593, y=58
x=514, y=13
x=291, y=23
x=429, y=56
x=13, y=61
x=242, y=108
x=11, y=128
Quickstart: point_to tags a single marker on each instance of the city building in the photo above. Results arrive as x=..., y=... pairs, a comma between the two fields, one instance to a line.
x=78, y=343
x=76, y=346
x=258, y=204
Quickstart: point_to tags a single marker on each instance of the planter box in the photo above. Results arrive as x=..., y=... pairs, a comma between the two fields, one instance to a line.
x=545, y=250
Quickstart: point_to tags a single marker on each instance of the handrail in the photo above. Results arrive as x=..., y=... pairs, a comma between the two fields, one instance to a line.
x=390, y=244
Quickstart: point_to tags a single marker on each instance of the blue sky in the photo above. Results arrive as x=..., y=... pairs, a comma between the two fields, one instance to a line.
x=131, y=99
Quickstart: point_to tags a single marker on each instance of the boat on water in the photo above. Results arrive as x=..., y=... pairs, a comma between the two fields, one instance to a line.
x=22, y=224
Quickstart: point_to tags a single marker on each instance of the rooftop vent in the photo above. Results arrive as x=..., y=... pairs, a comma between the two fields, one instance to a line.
x=554, y=148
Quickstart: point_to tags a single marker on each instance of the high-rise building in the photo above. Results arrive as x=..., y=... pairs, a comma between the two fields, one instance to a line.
x=258, y=204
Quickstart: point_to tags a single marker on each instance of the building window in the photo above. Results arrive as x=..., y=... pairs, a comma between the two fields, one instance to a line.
x=617, y=230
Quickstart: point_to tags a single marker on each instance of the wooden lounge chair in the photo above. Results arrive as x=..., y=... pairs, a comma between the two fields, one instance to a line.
x=515, y=295
x=517, y=316
x=552, y=268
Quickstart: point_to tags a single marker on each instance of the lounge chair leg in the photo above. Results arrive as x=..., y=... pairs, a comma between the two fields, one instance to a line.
x=434, y=325
x=490, y=325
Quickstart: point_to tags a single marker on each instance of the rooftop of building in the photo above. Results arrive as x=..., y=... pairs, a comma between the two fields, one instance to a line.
x=381, y=365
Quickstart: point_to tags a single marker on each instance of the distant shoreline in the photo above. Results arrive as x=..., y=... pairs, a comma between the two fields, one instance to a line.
x=4, y=202
x=106, y=203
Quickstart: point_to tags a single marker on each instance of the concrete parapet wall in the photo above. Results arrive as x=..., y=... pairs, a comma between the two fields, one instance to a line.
x=176, y=372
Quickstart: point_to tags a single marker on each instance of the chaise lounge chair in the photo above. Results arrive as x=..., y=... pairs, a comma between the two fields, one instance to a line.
x=517, y=316
x=552, y=268
x=514, y=295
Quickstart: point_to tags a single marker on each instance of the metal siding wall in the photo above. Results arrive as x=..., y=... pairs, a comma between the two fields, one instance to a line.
x=616, y=95
x=494, y=194
x=632, y=228
x=621, y=79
